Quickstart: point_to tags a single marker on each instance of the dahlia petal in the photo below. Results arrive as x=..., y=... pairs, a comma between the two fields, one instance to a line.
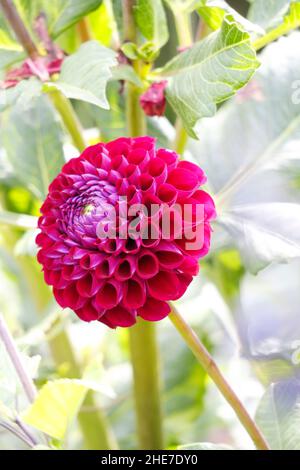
x=125, y=269
x=164, y=286
x=89, y=313
x=194, y=169
x=88, y=285
x=147, y=265
x=168, y=255
x=134, y=294
x=147, y=184
x=119, y=316
x=108, y=295
x=189, y=265
x=169, y=157
x=202, y=197
x=91, y=260
x=184, y=181
x=139, y=157
x=154, y=310
x=158, y=170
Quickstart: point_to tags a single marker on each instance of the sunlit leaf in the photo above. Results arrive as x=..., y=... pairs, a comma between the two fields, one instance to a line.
x=269, y=13
x=85, y=74
x=151, y=20
x=278, y=415
x=213, y=12
x=62, y=14
x=254, y=152
x=33, y=143
x=209, y=73
x=56, y=406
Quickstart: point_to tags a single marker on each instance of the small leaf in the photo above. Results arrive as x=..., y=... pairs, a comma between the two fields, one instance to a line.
x=33, y=144
x=205, y=446
x=56, y=406
x=278, y=415
x=126, y=72
x=151, y=20
x=209, y=73
x=85, y=74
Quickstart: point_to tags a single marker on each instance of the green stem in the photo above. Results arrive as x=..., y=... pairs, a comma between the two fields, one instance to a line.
x=145, y=361
x=276, y=33
x=69, y=118
x=142, y=337
x=19, y=28
x=95, y=427
x=208, y=363
x=181, y=137
x=183, y=27
x=185, y=39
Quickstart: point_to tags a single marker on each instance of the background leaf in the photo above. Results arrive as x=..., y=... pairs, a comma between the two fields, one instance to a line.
x=209, y=73
x=271, y=231
x=85, y=74
x=269, y=13
x=33, y=143
x=259, y=158
x=151, y=20
x=55, y=406
x=62, y=14
x=278, y=415
x=213, y=12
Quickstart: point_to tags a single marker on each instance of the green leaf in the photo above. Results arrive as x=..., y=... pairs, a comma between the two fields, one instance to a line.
x=209, y=73
x=271, y=231
x=205, y=446
x=85, y=74
x=33, y=143
x=269, y=13
x=257, y=178
x=151, y=20
x=22, y=95
x=279, y=18
x=62, y=14
x=126, y=72
x=278, y=415
x=55, y=407
x=213, y=12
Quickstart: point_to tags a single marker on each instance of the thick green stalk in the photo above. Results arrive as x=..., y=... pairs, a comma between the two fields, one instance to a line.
x=143, y=344
x=185, y=39
x=145, y=362
x=94, y=425
x=69, y=118
x=181, y=137
x=208, y=363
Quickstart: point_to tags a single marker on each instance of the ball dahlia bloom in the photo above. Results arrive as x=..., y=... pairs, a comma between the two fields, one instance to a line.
x=116, y=279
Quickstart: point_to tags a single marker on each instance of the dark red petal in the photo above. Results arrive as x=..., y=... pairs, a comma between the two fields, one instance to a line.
x=154, y=310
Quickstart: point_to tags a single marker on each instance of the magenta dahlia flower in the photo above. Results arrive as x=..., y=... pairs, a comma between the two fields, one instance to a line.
x=109, y=262
x=153, y=101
